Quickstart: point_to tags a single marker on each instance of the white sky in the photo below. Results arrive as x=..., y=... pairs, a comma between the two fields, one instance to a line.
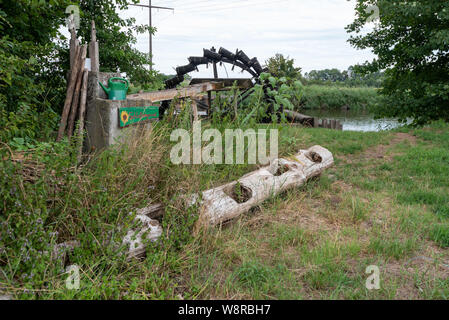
x=310, y=31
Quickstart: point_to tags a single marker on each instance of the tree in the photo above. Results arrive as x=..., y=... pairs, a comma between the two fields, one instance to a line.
x=282, y=67
x=411, y=41
x=116, y=37
x=349, y=78
x=30, y=75
x=331, y=75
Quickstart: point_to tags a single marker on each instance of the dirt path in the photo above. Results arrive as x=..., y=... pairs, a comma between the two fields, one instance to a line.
x=380, y=151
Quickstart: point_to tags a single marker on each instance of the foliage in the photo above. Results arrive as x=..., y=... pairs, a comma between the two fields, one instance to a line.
x=411, y=41
x=46, y=200
x=31, y=85
x=283, y=67
x=331, y=75
x=265, y=104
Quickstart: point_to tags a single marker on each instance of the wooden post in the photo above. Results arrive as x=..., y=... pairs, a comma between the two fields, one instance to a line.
x=76, y=95
x=209, y=99
x=340, y=126
x=94, y=52
x=70, y=91
x=236, y=105
x=195, y=110
x=215, y=64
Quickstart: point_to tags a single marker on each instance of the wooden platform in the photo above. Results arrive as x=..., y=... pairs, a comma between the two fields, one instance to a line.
x=228, y=83
x=191, y=91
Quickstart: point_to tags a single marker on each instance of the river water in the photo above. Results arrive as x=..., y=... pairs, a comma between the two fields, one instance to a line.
x=355, y=120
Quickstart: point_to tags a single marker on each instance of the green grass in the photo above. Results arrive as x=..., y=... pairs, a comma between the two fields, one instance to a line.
x=313, y=242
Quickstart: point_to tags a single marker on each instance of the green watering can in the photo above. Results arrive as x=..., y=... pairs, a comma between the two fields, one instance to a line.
x=118, y=87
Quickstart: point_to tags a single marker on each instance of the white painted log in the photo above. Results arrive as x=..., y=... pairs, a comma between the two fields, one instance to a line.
x=135, y=239
x=220, y=205
x=154, y=211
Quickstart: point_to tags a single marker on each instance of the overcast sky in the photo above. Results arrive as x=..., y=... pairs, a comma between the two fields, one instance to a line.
x=310, y=31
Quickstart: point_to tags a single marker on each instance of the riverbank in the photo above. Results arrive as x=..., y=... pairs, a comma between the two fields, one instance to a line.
x=384, y=203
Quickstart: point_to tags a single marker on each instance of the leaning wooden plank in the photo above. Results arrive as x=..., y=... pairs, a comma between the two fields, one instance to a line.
x=70, y=91
x=74, y=44
x=82, y=110
x=227, y=202
x=76, y=95
x=165, y=95
x=94, y=53
x=195, y=110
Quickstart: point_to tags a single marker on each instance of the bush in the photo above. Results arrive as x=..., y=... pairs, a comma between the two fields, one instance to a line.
x=24, y=111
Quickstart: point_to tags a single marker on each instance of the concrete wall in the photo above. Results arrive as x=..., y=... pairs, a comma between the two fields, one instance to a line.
x=102, y=116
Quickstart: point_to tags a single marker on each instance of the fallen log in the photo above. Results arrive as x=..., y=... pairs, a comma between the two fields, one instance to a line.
x=301, y=118
x=227, y=202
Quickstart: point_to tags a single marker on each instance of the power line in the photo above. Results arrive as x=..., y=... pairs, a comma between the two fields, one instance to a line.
x=206, y=2
x=150, y=8
x=211, y=5
x=211, y=9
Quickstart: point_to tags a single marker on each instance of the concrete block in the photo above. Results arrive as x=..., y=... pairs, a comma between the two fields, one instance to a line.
x=103, y=124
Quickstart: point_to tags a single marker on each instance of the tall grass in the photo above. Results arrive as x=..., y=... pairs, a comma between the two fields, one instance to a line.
x=48, y=199
x=333, y=97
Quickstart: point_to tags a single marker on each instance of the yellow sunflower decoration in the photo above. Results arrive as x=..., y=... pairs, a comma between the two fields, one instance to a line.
x=124, y=117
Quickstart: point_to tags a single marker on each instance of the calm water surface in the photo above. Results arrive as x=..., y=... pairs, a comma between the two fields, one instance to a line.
x=355, y=120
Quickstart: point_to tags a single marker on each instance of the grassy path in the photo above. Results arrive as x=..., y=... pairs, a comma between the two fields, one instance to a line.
x=385, y=203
